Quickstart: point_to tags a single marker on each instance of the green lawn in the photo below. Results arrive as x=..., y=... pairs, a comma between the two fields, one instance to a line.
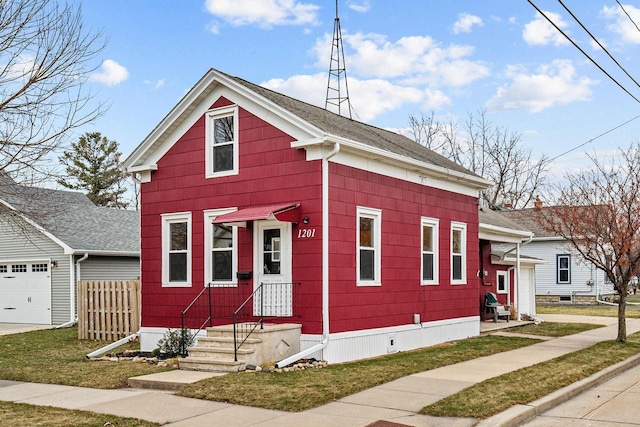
x=300, y=390
x=528, y=384
x=56, y=356
x=23, y=415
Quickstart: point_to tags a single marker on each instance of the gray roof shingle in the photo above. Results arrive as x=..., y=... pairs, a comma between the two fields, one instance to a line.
x=344, y=127
x=72, y=218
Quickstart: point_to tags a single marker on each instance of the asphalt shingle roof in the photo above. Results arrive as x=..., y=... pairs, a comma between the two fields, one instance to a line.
x=344, y=127
x=72, y=218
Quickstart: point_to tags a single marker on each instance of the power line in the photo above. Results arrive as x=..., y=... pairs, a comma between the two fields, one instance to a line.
x=628, y=16
x=582, y=51
x=599, y=44
x=594, y=138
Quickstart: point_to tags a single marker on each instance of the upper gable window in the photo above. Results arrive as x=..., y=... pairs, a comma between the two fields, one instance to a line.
x=222, y=142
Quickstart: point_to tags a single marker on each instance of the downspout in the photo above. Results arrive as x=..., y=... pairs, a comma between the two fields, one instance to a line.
x=325, y=264
x=72, y=291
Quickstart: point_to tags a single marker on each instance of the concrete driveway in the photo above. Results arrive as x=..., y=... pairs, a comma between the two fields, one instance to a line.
x=18, y=328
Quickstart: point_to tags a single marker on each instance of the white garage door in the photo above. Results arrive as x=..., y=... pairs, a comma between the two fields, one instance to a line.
x=25, y=292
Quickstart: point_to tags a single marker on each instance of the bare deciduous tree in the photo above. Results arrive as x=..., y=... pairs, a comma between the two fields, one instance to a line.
x=598, y=213
x=488, y=150
x=46, y=58
x=45, y=62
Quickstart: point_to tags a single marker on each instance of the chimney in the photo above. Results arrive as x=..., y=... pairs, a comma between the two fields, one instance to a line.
x=537, y=203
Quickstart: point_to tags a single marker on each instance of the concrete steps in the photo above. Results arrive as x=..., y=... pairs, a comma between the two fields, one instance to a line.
x=215, y=351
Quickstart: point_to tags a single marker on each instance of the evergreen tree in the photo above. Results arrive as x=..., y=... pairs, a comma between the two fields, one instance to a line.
x=93, y=165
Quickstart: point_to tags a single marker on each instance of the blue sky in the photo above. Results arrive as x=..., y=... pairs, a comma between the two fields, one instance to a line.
x=403, y=57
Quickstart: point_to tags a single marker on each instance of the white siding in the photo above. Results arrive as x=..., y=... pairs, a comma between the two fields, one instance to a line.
x=357, y=345
x=545, y=274
x=27, y=243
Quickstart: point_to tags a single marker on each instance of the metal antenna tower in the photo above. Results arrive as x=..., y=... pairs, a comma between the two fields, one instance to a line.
x=335, y=95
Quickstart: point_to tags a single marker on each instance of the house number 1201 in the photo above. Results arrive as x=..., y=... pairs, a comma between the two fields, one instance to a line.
x=306, y=233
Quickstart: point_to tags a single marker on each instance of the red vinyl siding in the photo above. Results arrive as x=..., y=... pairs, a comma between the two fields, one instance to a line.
x=270, y=171
x=401, y=295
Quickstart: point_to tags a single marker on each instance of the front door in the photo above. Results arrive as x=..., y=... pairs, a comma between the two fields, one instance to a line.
x=273, y=259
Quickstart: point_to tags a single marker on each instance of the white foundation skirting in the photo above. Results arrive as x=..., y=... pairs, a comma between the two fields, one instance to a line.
x=356, y=345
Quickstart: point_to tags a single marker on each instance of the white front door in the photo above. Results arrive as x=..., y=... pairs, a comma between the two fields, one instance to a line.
x=273, y=269
x=527, y=292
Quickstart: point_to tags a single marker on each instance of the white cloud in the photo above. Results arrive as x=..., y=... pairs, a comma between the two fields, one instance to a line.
x=552, y=85
x=112, y=73
x=541, y=32
x=156, y=84
x=465, y=23
x=417, y=59
x=369, y=98
x=359, y=6
x=621, y=24
x=435, y=100
x=264, y=13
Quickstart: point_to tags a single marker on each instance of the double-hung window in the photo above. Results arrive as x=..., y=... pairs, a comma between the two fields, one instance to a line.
x=502, y=282
x=458, y=253
x=176, y=249
x=221, y=142
x=429, y=265
x=368, y=227
x=563, y=268
x=221, y=250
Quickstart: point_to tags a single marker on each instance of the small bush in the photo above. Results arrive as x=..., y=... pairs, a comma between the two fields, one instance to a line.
x=175, y=342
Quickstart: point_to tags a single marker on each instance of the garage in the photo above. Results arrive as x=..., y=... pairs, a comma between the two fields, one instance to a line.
x=25, y=292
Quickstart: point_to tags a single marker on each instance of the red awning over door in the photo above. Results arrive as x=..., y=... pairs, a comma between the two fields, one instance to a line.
x=284, y=212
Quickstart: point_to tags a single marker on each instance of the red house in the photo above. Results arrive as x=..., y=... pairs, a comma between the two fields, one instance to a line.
x=372, y=238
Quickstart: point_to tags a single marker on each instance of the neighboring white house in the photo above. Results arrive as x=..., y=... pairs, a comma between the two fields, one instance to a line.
x=565, y=277
x=50, y=239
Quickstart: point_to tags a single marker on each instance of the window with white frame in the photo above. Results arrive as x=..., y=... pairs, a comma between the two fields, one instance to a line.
x=563, y=268
x=458, y=253
x=221, y=250
x=221, y=142
x=429, y=264
x=502, y=282
x=176, y=249
x=368, y=239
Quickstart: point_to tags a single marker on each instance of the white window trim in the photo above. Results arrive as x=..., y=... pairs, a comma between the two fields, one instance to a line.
x=506, y=281
x=463, y=228
x=376, y=215
x=210, y=116
x=209, y=216
x=166, y=220
x=433, y=223
x=558, y=281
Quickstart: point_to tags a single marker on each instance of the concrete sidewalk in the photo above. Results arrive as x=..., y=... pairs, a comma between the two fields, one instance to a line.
x=397, y=401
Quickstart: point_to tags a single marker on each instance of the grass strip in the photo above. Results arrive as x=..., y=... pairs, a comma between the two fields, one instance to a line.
x=550, y=329
x=56, y=356
x=589, y=310
x=24, y=415
x=300, y=390
x=525, y=385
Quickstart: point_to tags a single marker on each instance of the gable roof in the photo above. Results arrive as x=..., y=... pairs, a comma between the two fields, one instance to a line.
x=313, y=122
x=527, y=219
x=495, y=227
x=73, y=221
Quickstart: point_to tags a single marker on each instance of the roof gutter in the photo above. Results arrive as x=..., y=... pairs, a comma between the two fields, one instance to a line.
x=325, y=264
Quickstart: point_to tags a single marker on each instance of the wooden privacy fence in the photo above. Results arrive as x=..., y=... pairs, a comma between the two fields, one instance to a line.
x=108, y=309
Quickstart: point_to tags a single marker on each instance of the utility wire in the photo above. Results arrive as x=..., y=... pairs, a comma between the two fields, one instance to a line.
x=594, y=138
x=582, y=51
x=599, y=44
x=628, y=16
